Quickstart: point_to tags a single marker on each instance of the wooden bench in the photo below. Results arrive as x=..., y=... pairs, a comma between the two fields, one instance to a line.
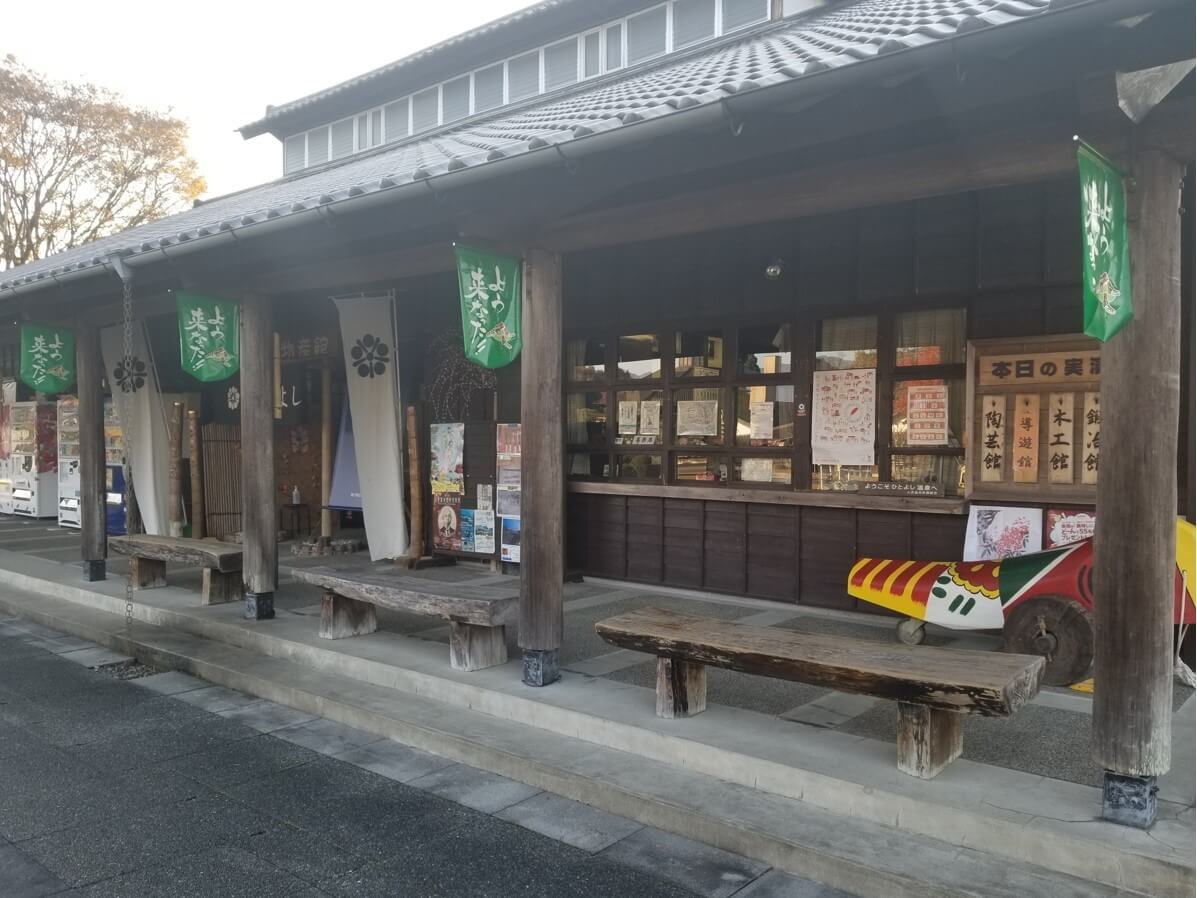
x=934, y=687
x=148, y=556
x=477, y=615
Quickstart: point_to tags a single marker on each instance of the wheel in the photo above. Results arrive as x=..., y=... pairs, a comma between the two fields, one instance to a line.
x=911, y=631
x=1060, y=630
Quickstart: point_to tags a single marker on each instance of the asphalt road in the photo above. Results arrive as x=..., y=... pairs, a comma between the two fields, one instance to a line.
x=167, y=786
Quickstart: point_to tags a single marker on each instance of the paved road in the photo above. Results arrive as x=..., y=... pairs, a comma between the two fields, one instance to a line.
x=168, y=787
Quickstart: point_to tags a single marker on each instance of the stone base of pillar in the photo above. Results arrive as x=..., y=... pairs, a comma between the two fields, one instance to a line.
x=259, y=605
x=1129, y=800
x=540, y=667
x=95, y=571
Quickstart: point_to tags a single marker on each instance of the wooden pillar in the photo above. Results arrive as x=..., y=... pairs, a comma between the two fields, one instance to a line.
x=259, y=511
x=1135, y=548
x=198, y=516
x=542, y=563
x=415, y=486
x=326, y=453
x=176, y=470
x=93, y=509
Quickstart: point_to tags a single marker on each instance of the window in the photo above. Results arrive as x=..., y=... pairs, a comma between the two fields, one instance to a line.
x=638, y=467
x=396, y=120
x=455, y=99
x=646, y=35
x=375, y=127
x=693, y=22
x=764, y=349
x=523, y=76
x=639, y=357
x=934, y=337
x=698, y=354
x=740, y=13
x=294, y=153
x=614, y=48
x=342, y=139
x=318, y=146
x=363, y=132
x=561, y=65
x=592, y=57
x=638, y=418
x=765, y=416
x=586, y=419
x=698, y=416
x=757, y=470
x=847, y=343
x=586, y=359
x=425, y=110
x=488, y=88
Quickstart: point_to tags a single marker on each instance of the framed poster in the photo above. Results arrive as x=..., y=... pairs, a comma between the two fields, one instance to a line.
x=995, y=532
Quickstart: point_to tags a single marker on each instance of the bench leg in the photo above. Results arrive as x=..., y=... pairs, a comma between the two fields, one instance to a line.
x=341, y=617
x=928, y=739
x=220, y=587
x=474, y=648
x=681, y=688
x=147, y=573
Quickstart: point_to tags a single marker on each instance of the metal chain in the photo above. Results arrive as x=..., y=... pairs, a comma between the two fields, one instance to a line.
x=127, y=436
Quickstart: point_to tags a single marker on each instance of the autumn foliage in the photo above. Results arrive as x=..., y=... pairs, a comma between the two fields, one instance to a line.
x=77, y=163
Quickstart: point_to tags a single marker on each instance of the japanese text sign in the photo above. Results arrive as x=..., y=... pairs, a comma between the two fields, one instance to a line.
x=209, y=336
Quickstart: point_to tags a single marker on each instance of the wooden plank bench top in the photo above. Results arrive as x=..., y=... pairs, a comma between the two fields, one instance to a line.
x=934, y=687
x=209, y=553
x=477, y=615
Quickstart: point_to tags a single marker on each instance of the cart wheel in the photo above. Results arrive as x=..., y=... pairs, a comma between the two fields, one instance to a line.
x=1057, y=628
x=911, y=631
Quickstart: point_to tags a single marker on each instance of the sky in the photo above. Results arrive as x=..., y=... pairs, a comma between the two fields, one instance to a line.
x=217, y=64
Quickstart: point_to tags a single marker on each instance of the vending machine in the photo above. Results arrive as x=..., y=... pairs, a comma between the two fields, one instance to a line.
x=68, y=463
x=114, y=471
x=34, y=459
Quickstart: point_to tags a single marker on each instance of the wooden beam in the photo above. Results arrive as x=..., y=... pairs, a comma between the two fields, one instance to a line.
x=259, y=502
x=93, y=509
x=542, y=560
x=326, y=453
x=198, y=517
x=1134, y=553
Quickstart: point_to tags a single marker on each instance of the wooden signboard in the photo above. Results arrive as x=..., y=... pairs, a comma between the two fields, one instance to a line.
x=1031, y=400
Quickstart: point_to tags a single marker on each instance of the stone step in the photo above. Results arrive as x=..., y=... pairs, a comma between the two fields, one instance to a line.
x=858, y=856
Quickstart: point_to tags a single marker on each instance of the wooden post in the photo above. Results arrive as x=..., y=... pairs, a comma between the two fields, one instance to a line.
x=929, y=739
x=198, y=517
x=176, y=470
x=542, y=567
x=415, y=486
x=93, y=510
x=326, y=453
x=1135, y=548
x=259, y=511
x=681, y=688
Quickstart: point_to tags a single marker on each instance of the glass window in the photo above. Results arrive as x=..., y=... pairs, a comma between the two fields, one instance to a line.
x=592, y=60
x=455, y=99
x=846, y=478
x=589, y=465
x=425, y=110
x=396, y=119
x=693, y=21
x=700, y=468
x=738, y=13
x=614, y=48
x=640, y=357
x=698, y=354
x=764, y=349
x=586, y=418
x=342, y=138
x=318, y=145
x=488, y=88
x=375, y=127
x=698, y=417
x=561, y=64
x=763, y=470
x=928, y=412
x=847, y=343
x=523, y=76
x=638, y=467
x=294, y=148
x=638, y=418
x=945, y=469
x=646, y=35
x=586, y=360
x=765, y=415
x=931, y=337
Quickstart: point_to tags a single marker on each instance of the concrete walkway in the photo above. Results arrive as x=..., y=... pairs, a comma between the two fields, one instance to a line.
x=168, y=786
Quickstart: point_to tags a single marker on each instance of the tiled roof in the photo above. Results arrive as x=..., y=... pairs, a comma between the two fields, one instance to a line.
x=788, y=51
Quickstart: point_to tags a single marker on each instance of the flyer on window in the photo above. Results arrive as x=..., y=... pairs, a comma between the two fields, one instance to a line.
x=843, y=426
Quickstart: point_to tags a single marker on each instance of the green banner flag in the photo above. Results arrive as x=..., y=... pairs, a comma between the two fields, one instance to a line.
x=47, y=357
x=1107, y=273
x=209, y=336
x=490, y=306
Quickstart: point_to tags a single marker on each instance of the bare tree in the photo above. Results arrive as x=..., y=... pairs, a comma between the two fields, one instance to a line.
x=77, y=163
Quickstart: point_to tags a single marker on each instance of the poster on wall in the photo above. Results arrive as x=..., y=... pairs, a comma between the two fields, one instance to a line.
x=510, y=545
x=447, y=523
x=1065, y=526
x=484, y=531
x=760, y=421
x=927, y=415
x=448, y=459
x=698, y=418
x=995, y=532
x=757, y=470
x=650, y=417
x=629, y=416
x=843, y=426
x=467, y=530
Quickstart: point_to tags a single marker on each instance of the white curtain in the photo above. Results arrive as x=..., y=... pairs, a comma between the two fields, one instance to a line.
x=372, y=376
x=139, y=407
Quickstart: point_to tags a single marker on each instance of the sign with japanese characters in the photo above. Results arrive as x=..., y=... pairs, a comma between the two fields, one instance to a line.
x=490, y=306
x=1061, y=422
x=927, y=415
x=1066, y=526
x=629, y=416
x=697, y=417
x=47, y=357
x=1090, y=456
x=1106, y=271
x=993, y=438
x=760, y=421
x=209, y=342
x=843, y=426
x=1033, y=368
x=650, y=417
x=1025, y=444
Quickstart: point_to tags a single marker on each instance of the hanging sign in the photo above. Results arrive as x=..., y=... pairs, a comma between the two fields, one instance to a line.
x=1061, y=414
x=209, y=342
x=1026, y=438
x=490, y=287
x=1091, y=454
x=927, y=415
x=47, y=357
x=993, y=438
x=1106, y=256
